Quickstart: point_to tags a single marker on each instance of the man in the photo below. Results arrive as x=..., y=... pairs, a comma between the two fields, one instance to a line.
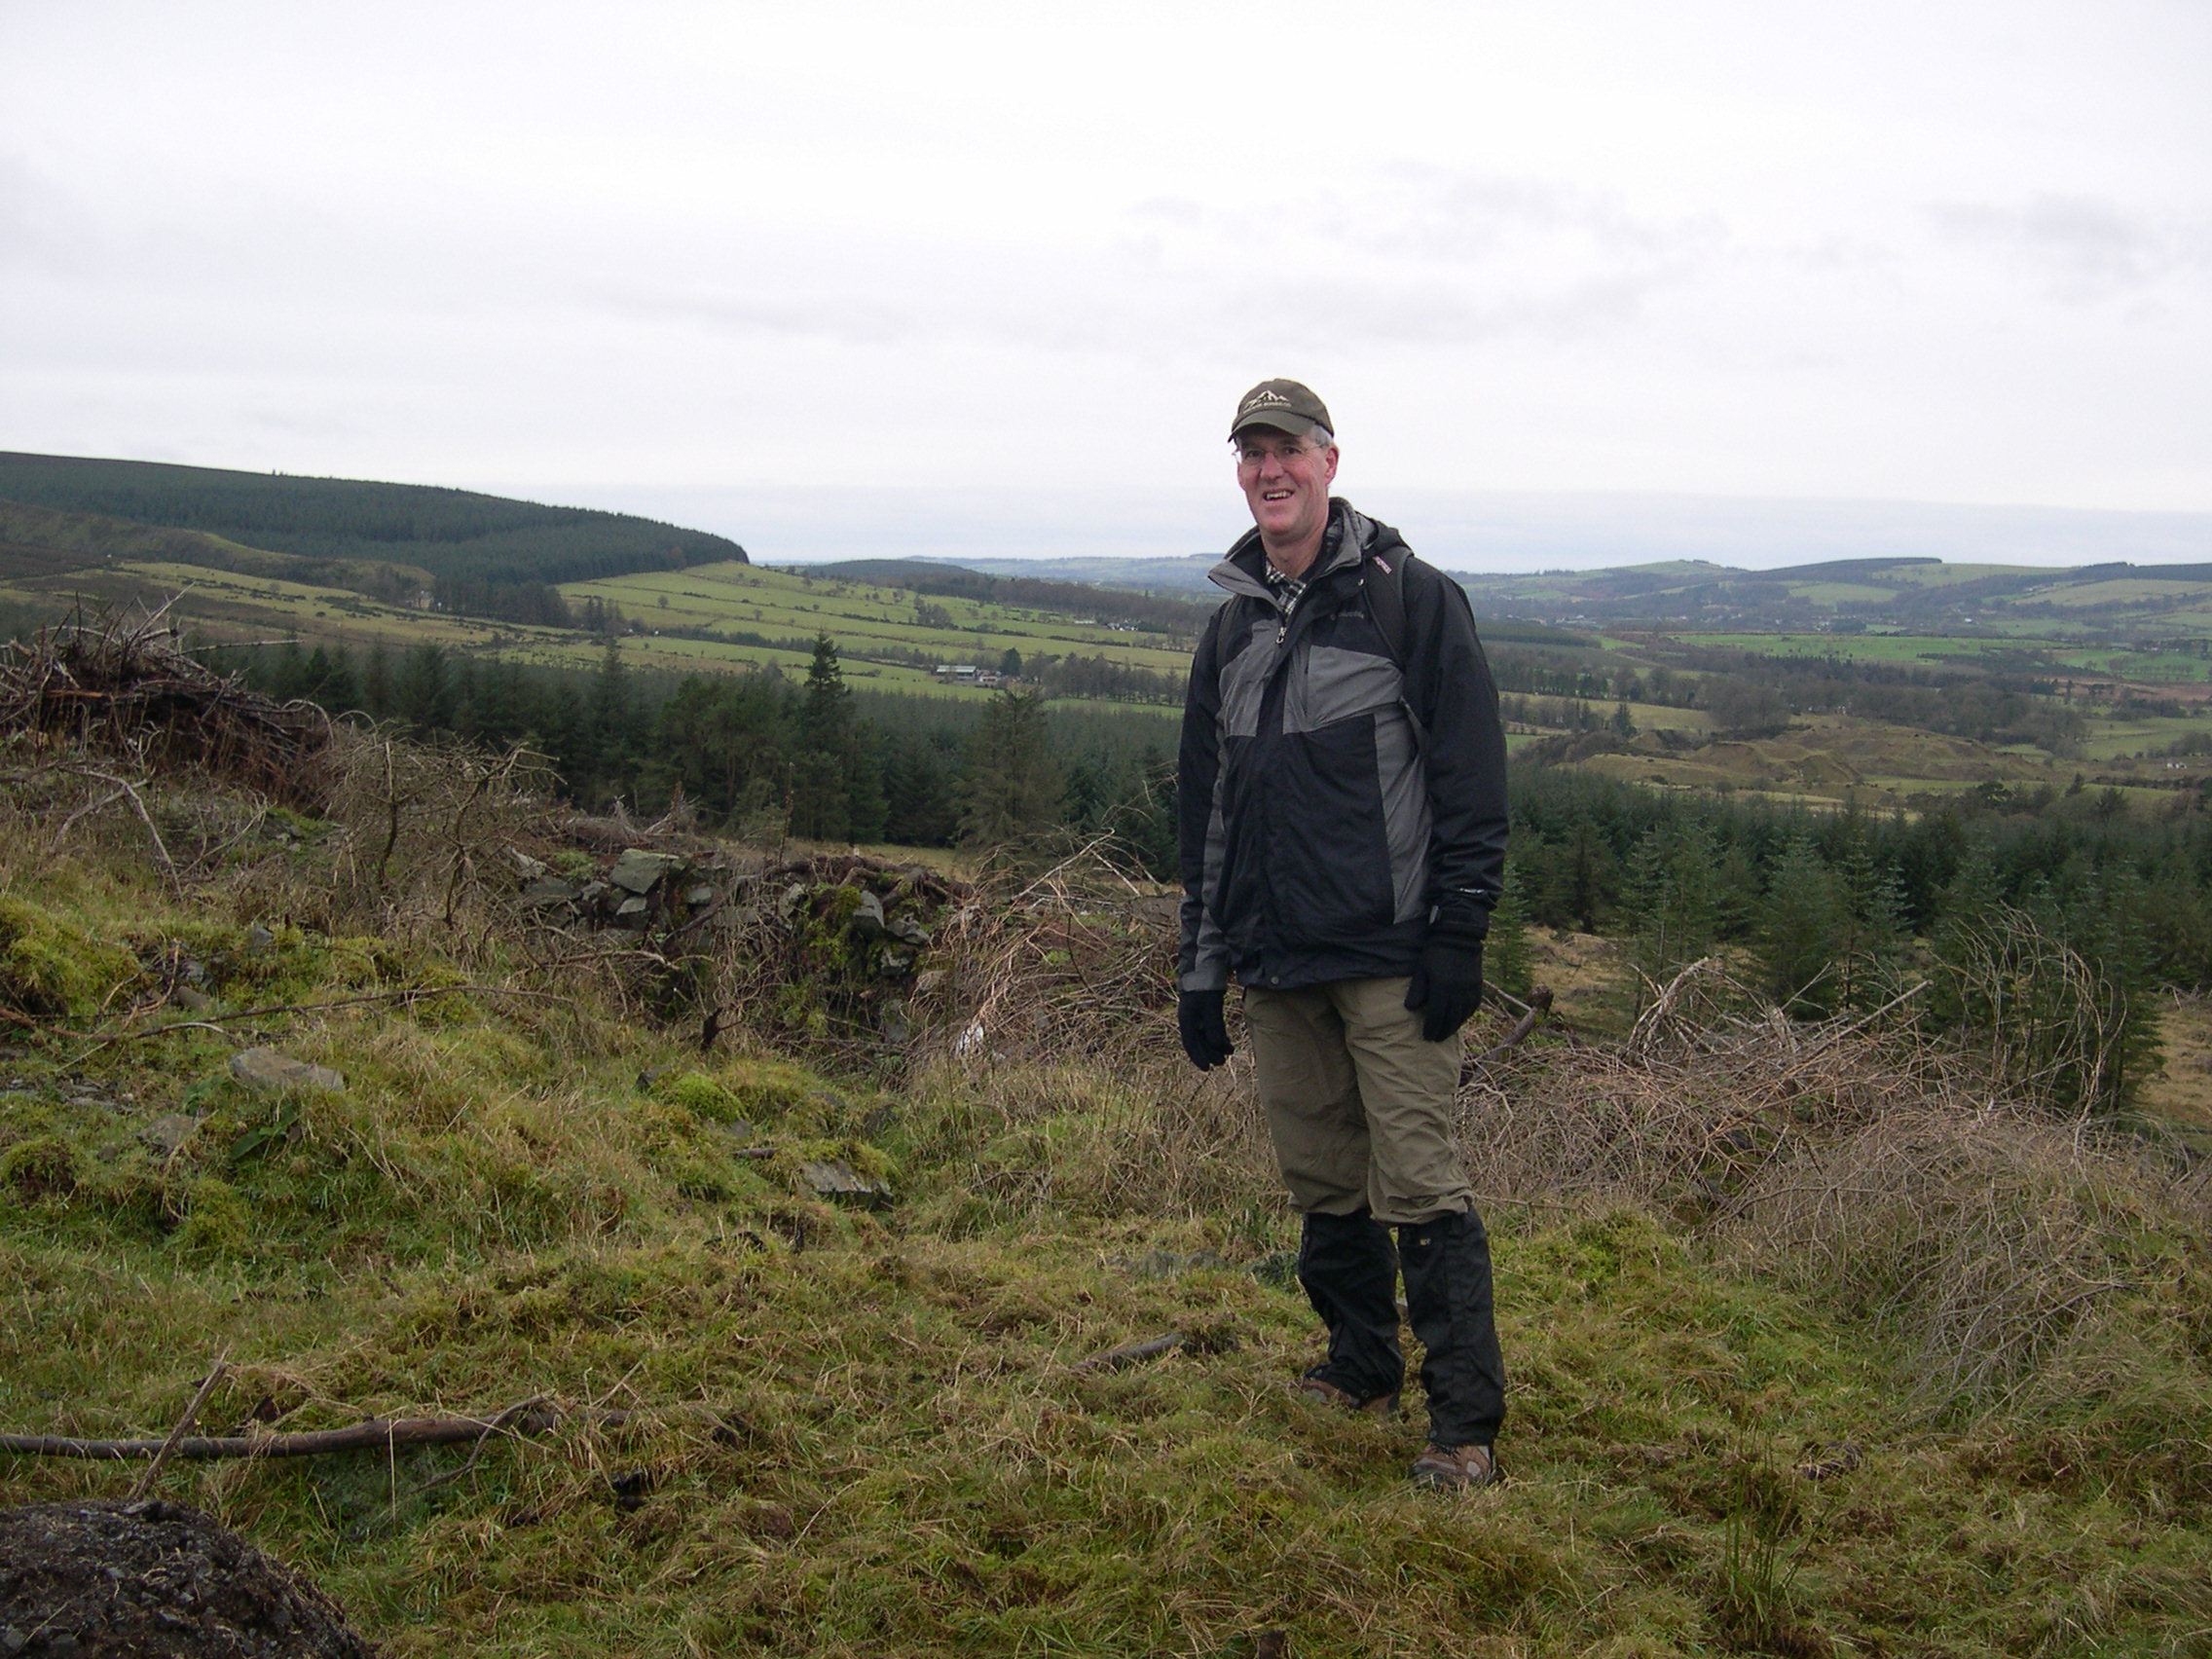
x=1341, y=807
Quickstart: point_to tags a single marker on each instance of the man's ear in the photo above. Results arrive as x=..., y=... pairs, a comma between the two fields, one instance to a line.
x=1334, y=455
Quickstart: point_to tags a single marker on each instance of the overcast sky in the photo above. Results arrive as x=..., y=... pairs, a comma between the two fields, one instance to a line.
x=734, y=259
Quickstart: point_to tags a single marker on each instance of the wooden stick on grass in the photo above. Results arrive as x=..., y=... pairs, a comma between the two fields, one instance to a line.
x=183, y=1423
x=1132, y=1353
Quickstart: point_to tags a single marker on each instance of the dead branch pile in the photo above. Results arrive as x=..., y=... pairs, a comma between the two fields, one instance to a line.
x=1079, y=961
x=1881, y=1173
x=122, y=687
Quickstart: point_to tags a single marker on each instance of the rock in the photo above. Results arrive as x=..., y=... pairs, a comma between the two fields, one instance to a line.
x=170, y=1130
x=266, y=1068
x=259, y=940
x=735, y=918
x=631, y=912
x=907, y=931
x=528, y=868
x=835, y=1178
x=793, y=897
x=192, y=1001
x=700, y=896
x=97, y=1576
x=867, y=916
x=551, y=890
x=640, y=871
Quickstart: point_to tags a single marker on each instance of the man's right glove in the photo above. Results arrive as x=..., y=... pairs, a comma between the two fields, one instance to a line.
x=1448, y=979
x=1205, y=1033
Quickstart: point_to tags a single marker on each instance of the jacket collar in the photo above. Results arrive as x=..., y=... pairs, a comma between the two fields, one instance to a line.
x=1346, y=541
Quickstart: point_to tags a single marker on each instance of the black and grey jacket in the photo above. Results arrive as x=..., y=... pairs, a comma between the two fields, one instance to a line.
x=1330, y=802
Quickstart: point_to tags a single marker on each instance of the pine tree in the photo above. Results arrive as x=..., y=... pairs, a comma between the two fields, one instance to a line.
x=1506, y=957
x=836, y=790
x=1012, y=788
x=1800, y=930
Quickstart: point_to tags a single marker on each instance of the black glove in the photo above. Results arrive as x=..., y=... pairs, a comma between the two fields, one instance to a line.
x=1448, y=979
x=1205, y=1034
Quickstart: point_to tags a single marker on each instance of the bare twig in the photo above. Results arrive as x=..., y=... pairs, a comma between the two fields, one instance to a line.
x=182, y=1425
x=501, y=1424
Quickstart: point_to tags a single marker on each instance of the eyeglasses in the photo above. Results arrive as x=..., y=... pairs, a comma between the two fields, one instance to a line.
x=1256, y=455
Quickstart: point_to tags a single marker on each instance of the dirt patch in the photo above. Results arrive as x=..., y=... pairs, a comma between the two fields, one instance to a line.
x=91, y=1580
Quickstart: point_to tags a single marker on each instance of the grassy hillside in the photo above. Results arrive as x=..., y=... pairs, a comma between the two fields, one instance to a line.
x=1817, y=1346
x=1911, y=595
x=456, y=534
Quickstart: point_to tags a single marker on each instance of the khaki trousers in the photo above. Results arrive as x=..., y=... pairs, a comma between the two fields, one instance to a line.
x=1358, y=1102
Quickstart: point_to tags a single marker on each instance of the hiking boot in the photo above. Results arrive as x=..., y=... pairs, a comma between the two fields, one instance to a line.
x=1316, y=1389
x=1455, y=1468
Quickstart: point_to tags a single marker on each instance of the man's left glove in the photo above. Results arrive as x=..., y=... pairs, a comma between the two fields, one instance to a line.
x=1206, y=1032
x=1448, y=979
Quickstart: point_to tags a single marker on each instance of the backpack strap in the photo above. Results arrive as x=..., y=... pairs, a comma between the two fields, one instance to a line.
x=1382, y=578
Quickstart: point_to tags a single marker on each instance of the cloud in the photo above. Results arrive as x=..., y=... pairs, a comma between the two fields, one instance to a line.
x=2089, y=248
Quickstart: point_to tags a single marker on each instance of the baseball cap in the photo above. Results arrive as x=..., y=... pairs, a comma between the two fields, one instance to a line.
x=1286, y=405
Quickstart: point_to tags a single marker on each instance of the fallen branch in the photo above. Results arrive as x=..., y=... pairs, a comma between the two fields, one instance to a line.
x=1539, y=1007
x=1134, y=1353
x=503, y=1424
x=376, y=1434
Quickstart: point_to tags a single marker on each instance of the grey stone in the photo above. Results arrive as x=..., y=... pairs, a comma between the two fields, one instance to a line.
x=700, y=896
x=907, y=931
x=835, y=1178
x=867, y=916
x=794, y=896
x=259, y=940
x=266, y=1068
x=733, y=918
x=894, y=964
x=640, y=871
x=170, y=1130
x=551, y=890
x=631, y=912
x=525, y=866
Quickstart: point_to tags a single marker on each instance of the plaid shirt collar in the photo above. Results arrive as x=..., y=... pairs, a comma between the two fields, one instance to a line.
x=1289, y=590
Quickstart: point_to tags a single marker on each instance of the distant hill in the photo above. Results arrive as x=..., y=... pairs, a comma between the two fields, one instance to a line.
x=48, y=542
x=1910, y=594
x=1022, y=586
x=458, y=537
x=1171, y=575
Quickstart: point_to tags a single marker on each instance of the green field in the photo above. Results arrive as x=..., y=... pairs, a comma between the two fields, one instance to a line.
x=866, y=621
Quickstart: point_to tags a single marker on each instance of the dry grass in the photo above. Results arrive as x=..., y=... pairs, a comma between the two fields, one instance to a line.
x=1855, y=1162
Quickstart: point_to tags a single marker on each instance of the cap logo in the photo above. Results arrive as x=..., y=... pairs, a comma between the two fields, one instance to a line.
x=1262, y=399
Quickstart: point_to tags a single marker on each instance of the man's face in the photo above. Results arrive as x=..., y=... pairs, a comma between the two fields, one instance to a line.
x=1285, y=482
